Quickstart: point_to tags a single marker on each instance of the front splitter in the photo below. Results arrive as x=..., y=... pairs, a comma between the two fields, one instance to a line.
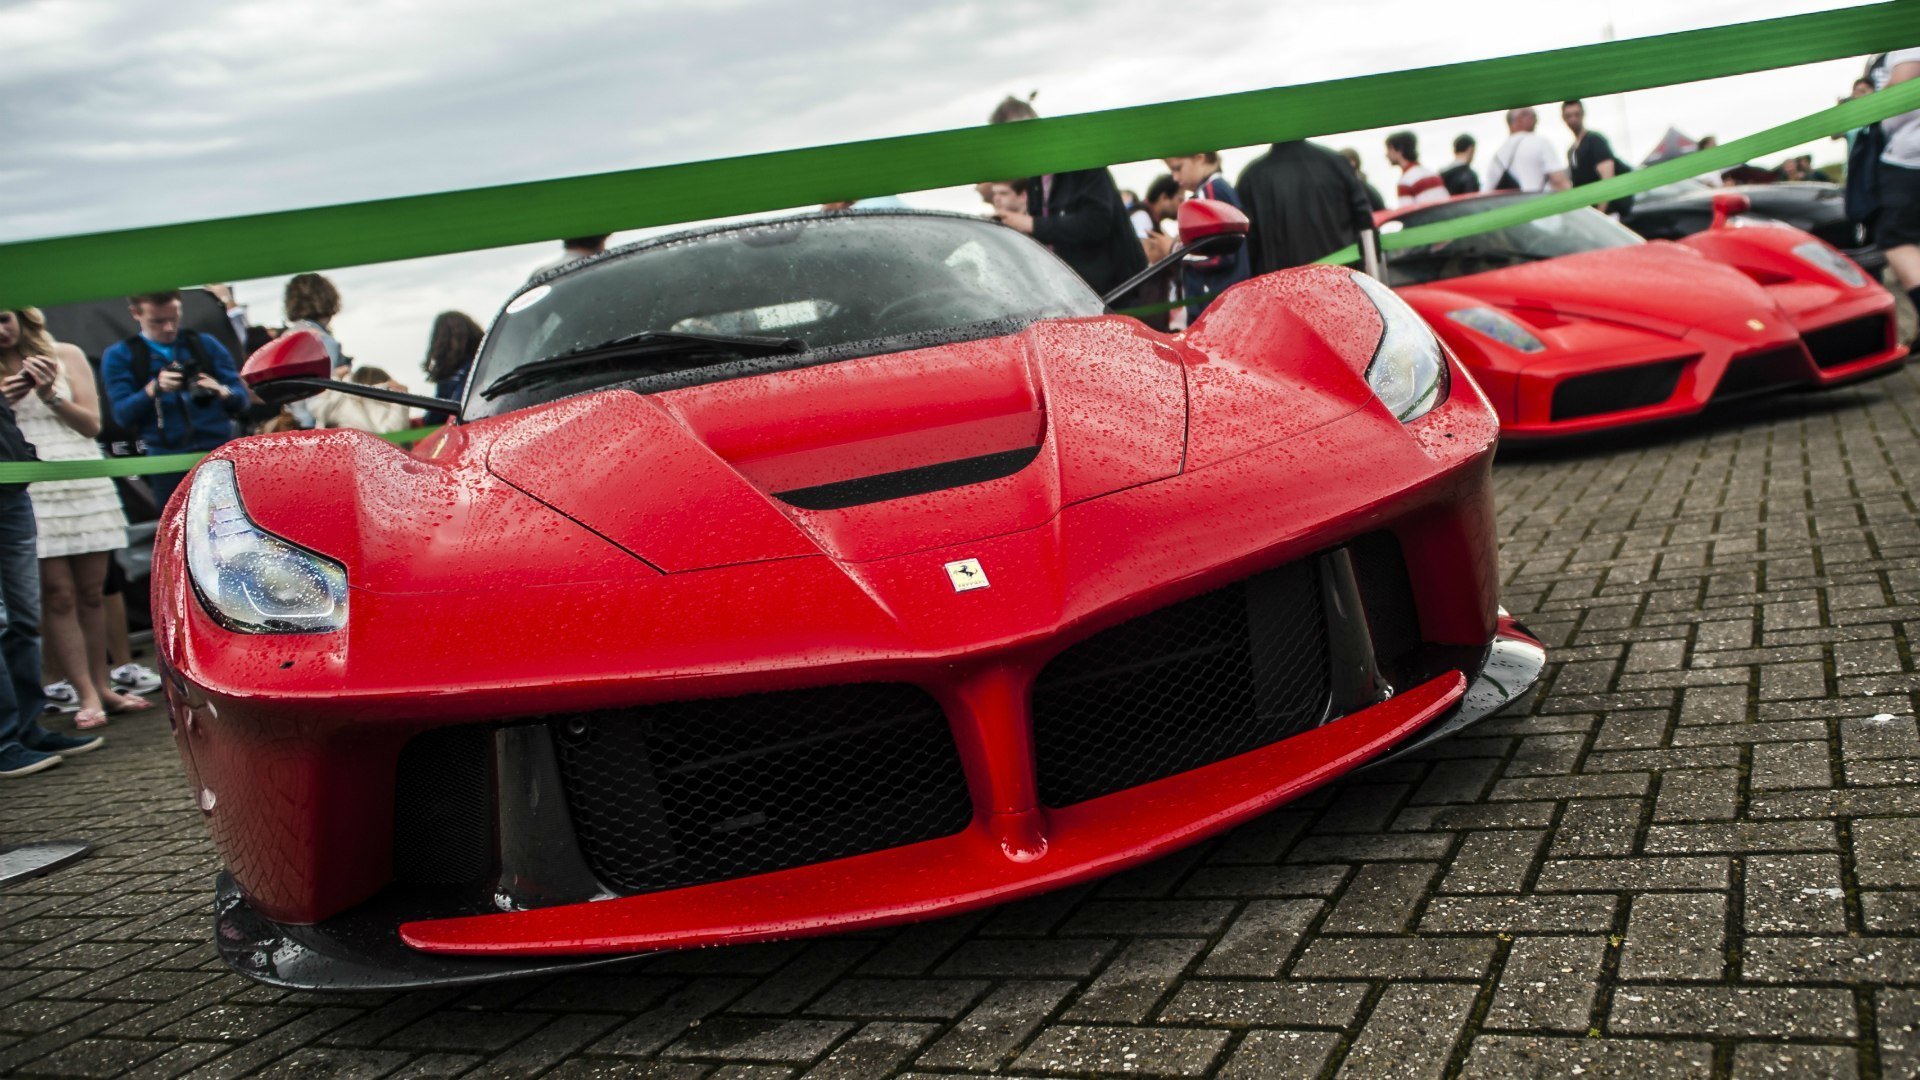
x=363, y=950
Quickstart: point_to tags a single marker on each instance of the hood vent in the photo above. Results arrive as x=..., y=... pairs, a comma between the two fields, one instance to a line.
x=903, y=483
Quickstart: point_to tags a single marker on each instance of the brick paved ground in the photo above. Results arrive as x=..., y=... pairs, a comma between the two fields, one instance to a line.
x=1696, y=853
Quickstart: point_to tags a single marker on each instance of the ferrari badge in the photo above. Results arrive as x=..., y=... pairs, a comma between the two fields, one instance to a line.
x=966, y=575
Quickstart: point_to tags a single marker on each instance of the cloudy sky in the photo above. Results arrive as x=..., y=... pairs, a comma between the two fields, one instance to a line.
x=113, y=115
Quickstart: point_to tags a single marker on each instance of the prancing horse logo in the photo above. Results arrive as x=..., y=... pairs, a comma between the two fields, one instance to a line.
x=966, y=575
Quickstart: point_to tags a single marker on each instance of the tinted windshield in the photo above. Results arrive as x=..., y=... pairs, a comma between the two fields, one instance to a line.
x=846, y=285
x=1563, y=234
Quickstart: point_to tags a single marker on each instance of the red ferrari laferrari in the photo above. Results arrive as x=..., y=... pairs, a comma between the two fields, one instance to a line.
x=809, y=574
x=1573, y=324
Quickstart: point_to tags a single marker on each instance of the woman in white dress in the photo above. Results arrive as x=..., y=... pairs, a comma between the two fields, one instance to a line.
x=81, y=523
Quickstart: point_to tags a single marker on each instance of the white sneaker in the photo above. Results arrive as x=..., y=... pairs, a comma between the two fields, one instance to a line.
x=135, y=679
x=62, y=697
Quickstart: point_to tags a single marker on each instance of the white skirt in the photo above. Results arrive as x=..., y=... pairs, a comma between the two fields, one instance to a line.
x=78, y=516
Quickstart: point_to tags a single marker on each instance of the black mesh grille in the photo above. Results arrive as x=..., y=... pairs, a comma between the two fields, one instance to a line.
x=1855, y=339
x=1380, y=569
x=443, y=808
x=1615, y=391
x=1756, y=374
x=1194, y=683
x=699, y=791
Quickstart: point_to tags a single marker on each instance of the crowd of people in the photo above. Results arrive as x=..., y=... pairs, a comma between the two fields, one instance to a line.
x=170, y=389
x=63, y=628
x=1304, y=201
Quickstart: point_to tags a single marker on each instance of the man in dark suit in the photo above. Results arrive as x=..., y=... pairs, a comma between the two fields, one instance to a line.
x=1305, y=203
x=1079, y=215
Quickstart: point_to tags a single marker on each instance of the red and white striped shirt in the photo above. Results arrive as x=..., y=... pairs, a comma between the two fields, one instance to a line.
x=1419, y=184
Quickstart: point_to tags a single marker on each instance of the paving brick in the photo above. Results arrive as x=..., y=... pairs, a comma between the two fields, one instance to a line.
x=1233, y=882
x=1494, y=861
x=900, y=999
x=1830, y=959
x=1896, y=1019
x=1548, y=984
x=1795, y=894
x=1381, y=898
x=998, y=1026
x=1754, y=1061
x=1891, y=912
x=1517, y=914
x=1742, y=836
x=1743, y=1012
x=1242, y=1002
x=1280, y=1055
x=1395, y=958
x=1887, y=851
x=1135, y=1051
x=1698, y=795
x=1263, y=937
x=1597, y=827
x=1411, y=1033
x=874, y=1051
x=1521, y=1056
x=1136, y=980
x=1675, y=936
x=1635, y=875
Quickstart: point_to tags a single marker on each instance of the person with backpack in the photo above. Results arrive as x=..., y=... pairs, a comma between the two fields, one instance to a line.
x=179, y=389
x=1590, y=159
x=1525, y=162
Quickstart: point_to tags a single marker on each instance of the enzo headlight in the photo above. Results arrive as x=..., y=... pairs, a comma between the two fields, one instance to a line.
x=1408, y=373
x=250, y=580
x=1498, y=326
x=1821, y=257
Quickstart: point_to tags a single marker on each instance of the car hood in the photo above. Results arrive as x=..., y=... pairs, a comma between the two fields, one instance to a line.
x=860, y=459
x=1658, y=286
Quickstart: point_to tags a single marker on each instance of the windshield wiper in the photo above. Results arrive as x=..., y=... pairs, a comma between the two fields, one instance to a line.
x=648, y=344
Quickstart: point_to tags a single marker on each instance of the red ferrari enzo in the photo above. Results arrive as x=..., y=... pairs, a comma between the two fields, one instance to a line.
x=810, y=574
x=1573, y=324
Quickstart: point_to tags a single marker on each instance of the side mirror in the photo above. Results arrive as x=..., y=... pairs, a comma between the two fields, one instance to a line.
x=1208, y=220
x=1726, y=204
x=300, y=355
x=1207, y=227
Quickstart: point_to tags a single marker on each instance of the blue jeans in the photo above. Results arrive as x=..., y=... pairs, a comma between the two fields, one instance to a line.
x=21, y=697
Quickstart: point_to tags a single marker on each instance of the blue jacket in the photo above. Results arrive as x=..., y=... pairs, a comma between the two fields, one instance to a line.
x=172, y=423
x=1215, y=274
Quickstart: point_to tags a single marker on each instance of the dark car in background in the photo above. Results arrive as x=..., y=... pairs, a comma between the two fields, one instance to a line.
x=94, y=326
x=1685, y=208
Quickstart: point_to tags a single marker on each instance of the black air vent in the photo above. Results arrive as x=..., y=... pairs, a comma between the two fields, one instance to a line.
x=1616, y=391
x=1855, y=339
x=443, y=808
x=906, y=482
x=1197, y=682
x=696, y=791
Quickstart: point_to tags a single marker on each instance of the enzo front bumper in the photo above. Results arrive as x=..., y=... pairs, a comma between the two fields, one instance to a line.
x=995, y=859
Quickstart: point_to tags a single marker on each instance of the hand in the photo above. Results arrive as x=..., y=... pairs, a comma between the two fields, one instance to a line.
x=168, y=381
x=396, y=386
x=212, y=385
x=222, y=293
x=41, y=374
x=1159, y=245
x=15, y=387
x=1018, y=222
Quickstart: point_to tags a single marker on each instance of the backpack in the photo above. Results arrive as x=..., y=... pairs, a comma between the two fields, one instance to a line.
x=1863, y=163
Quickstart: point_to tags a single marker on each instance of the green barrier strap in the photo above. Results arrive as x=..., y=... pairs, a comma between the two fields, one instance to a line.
x=64, y=269
x=1844, y=117
x=17, y=472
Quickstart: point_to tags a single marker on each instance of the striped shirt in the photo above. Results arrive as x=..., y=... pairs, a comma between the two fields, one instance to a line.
x=1419, y=184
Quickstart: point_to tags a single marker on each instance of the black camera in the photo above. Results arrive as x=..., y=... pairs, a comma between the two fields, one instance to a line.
x=190, y=369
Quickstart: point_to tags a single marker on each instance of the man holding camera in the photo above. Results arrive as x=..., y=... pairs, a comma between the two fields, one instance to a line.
x=179, y=389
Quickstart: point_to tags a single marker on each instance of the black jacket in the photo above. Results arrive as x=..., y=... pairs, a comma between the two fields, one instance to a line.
x=1305, y=202
x=13, y=445
x=1085, y=223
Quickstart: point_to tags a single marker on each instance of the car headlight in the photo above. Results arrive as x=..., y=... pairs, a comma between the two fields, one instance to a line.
x=1821, y=257
x=250, y=580
x=1408, y=373
x=1498, y=326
